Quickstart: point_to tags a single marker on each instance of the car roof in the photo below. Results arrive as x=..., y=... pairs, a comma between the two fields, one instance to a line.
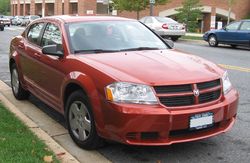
x=69, y=19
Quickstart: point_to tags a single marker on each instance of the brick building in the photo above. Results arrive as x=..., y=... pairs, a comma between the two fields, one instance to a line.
x=214, y=11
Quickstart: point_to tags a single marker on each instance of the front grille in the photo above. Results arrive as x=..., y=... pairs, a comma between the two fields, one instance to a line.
x=210, y=84
x=182, y=95
x=177, y=101
x=210, y=96
x=173, y=89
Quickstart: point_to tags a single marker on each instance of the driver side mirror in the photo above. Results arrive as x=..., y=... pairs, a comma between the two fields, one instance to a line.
x=54, y=50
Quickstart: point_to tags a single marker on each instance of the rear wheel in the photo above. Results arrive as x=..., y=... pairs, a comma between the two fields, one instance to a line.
x=17, y=89
x=212, y=41
x=2, y=29
x=80, y=122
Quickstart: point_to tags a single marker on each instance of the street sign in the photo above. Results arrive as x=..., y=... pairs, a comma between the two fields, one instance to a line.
x=152, y=1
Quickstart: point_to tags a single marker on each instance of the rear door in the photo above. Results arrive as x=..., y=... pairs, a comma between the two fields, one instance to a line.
x=244, y=33
x=29, y=51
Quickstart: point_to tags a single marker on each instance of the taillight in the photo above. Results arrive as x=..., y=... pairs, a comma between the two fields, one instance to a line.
x=165, y=26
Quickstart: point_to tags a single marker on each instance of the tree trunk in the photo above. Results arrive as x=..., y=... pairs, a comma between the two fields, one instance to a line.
x=138, y=14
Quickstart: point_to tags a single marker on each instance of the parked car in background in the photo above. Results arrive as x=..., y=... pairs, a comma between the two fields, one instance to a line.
x=235, y=34
x=1, y=24
x=17, y=20
x=5, y=19
x=165, y=27
x=28, y=19
x=113, y=78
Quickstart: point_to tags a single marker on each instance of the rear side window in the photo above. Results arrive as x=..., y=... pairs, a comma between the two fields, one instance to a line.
x=34, y=33
x=245, y=26
x=52, y=35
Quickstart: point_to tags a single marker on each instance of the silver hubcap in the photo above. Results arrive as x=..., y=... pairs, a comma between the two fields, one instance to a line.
x=79, y=120
x=15, y=81
x=212, y=41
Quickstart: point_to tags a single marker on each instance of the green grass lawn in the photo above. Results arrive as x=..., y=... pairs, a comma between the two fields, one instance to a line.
x=18, y=143
x=192, y=38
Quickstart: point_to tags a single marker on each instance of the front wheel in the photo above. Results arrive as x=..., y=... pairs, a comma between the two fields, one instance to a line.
x=80, y=122
x=212, y=41
x=19, y=92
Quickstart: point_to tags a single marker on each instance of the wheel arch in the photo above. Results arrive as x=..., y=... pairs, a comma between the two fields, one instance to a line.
x=78, y=81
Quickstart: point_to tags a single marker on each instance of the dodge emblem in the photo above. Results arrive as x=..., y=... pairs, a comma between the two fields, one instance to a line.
x=196, y=92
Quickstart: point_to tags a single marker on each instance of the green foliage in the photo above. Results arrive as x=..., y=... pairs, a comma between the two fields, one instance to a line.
x=135, y=5
x=189, y=14
x=17, y=142
x=4, y=7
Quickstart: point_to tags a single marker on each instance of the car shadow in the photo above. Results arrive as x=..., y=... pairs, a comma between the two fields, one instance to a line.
x=58, y=117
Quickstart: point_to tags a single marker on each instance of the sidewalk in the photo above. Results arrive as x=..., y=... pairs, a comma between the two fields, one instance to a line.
x=194, y=34
x=54, y=135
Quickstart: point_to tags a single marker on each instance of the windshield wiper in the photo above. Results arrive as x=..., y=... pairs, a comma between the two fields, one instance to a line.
x=95, y=51
x=140, y=48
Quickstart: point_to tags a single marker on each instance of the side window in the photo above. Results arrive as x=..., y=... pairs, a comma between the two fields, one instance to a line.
x=52, y=35
x=233, y=26
x=149, y=20
x=34, y=33
x=245, y=26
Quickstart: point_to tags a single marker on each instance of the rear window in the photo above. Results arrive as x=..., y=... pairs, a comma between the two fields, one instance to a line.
x=165, y=20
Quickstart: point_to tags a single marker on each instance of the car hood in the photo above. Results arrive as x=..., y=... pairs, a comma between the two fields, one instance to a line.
x=154, y=67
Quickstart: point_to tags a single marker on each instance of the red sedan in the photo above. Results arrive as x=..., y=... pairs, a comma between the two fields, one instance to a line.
x=113, y=78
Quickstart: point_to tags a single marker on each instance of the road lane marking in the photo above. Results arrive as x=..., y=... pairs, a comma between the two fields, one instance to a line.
x=243, y=69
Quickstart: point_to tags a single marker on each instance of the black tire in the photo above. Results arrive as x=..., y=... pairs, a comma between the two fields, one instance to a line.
x=79, y=99
x=17, y=89
x=212, y=41
x=174, y=38
x=9, y=25
x=2, y=29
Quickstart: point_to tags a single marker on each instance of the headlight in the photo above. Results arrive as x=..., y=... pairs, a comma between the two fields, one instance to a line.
x=227, y=85
x=130, y=93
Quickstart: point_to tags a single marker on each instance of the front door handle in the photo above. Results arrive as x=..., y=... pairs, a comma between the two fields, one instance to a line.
x=21, y=46
x=37, y=56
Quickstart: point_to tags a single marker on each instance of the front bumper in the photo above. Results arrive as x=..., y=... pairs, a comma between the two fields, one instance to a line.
x=157, y=125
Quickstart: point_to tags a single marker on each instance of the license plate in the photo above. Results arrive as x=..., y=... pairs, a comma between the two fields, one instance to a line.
x=201, y=121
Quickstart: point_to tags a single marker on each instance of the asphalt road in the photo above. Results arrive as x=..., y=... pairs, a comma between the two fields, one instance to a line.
x=231, y=147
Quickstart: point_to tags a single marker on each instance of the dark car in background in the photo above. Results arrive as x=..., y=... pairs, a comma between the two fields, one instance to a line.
x=235, y=34
x=1, y=24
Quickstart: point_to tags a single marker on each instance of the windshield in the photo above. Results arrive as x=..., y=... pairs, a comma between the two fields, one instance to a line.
x=111, y=36
x=165, y=20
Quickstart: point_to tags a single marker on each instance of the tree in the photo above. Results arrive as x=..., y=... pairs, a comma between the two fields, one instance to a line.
x=189, y=14
x=5, y=7
x=135, y=5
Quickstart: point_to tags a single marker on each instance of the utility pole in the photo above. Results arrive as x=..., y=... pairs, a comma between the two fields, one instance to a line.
x=152, y=2
x=230, y=3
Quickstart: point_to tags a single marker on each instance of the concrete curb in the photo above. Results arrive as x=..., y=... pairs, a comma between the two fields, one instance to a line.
x=54, y=135
x=63, y=155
